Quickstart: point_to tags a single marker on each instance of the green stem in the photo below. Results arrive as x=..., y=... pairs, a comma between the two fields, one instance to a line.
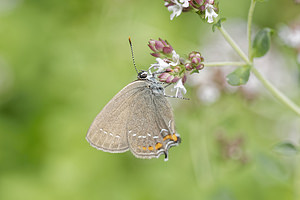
x=233, y=44
x=276, y=93
x=250, y=16
x=214, y=64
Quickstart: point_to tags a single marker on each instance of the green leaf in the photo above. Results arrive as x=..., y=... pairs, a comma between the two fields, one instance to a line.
x=286, y=148
x=218, y=24
x=261, y=0
x=261, y=43
x=240, y=76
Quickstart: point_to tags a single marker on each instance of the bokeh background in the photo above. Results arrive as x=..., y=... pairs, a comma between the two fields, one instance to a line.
x=62, y=61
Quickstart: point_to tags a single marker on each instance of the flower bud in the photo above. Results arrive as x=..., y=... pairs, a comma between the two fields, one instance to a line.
x=196, y=3
x=184, y=79
x=169, y=79
x=188, y=66
x=162, y=77
x=199, y=67
x=195, y=58
x=175, y=79
x=159, y=47
x=157, y=55
x=195, y=62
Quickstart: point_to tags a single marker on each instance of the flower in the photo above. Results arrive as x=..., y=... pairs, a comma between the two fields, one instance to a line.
x=175, y=58
x=179, y=88
x=176, y=7
x=210, y=13
x=161, y=65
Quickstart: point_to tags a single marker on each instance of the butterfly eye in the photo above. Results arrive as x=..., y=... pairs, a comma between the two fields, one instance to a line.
x=142, y=74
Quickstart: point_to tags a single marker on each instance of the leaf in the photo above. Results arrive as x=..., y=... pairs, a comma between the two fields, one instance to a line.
x=261, y=0
x=240, y=76
x=286, y=148
x=261, y=43
x=218, y=24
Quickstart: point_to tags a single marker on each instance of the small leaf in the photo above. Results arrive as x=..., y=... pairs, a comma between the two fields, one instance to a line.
x=218, y=24
x=240, y=76
x=286, y=148
x=261, y=43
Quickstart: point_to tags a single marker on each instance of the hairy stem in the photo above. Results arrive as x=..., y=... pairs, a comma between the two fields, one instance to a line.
x=233, y=44
x=276, y=93
x=250, y=16
x=215, y=64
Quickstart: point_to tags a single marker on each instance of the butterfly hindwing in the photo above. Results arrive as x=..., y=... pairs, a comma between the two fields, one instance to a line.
x=151, y=130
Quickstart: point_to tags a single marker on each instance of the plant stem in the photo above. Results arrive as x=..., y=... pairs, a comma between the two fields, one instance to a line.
x=250, y=16
x=233, y=44
x=214, y=64
x=276, y=93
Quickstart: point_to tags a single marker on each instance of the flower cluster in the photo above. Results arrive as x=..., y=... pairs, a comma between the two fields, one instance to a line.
x=170, y=67
x=160, y=47
x=206, y=9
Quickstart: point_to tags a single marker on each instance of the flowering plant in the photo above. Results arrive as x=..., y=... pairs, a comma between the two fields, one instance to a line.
x=174, y=69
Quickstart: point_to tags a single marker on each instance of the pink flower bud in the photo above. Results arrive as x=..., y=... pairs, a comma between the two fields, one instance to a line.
x=196, y=3
x=188, y=66
x=184, y=79
x=163, y=76
x=169, y=79
x=151, y=45
x=159, y=45
x=199, y=67
x=202, y=8
x=163, y=41
x=167, y=50
x=175, y=79
x=196, y=60
x=157, y=55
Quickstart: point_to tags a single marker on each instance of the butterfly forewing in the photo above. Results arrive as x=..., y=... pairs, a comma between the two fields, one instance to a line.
x=108, y=131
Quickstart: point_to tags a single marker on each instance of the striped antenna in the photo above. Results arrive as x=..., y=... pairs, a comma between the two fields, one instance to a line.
x=132, y=55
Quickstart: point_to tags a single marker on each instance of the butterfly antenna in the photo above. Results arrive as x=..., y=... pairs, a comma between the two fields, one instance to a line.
x=132, y=55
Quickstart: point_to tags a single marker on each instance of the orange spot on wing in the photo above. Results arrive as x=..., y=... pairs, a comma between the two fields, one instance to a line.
x=144, y=148
x=158, y=145
x=167, y=137
x=150, y=148
x=174, y=137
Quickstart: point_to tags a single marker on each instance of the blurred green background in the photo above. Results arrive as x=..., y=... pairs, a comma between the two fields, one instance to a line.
x=62, y=61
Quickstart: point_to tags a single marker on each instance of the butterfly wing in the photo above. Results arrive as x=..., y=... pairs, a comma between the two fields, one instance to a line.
x=151, y=130
x=108, y=130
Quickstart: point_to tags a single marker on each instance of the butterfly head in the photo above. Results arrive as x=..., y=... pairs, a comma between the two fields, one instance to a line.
x=142, y=75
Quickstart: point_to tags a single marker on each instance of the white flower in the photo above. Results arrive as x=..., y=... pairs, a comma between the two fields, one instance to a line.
x=175, y=58
x=185, y=3
x=177, y=7
x=179, y=88
x=161, y=65
x=210, y=13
